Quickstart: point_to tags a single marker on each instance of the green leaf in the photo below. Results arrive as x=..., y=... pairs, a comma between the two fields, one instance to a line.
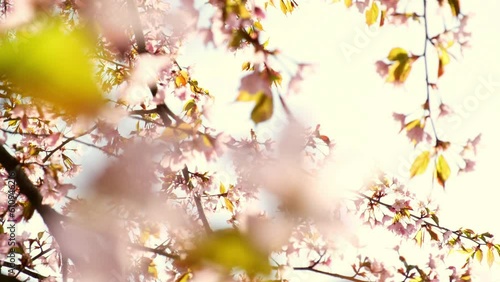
x=442, y=170
x=420, y=164
x=263, y=109
x=189, y=105
x=371, y=14
x=229, y=249
x=435, y=218
x=51, y=64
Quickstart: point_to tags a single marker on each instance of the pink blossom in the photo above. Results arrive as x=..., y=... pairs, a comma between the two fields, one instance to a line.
x=469, y=166
x=259, y=13
x=254, y=83
x=400, y=118
x=382, y=68
x=52, y=139
x=400, y=204
x=444, y=110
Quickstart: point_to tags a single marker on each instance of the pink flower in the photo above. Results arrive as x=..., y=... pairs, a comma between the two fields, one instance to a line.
x=444, y=110
x=382, y=68
x=259, y=13
x=254, y=83
x=469, y=166
x=400, y=118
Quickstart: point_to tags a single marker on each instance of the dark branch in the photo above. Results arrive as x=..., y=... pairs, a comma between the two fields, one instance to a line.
x=197, y=200
x=22, y=269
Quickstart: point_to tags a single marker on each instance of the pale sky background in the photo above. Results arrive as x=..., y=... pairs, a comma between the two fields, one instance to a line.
x=354, y=106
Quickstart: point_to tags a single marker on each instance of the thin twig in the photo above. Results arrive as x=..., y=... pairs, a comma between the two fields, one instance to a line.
x=197, y=200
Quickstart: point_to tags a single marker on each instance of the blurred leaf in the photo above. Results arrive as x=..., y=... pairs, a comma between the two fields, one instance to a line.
x=263, y=109
x=52, y=65
x=189, y=105
x=371, y=14
x=455, y=7
x=420, y=164
x=182, y=78
x=412, y=124
x=258, y=26
x=433, y=234
x=283, y=7
x=184, y=277
x=222, y=188
x=479, y=255
x=348, y=3
x=435, y=218
x=399, y=71
x=382, y=17
x=28, y=210
x=152, y=269
x=325, y=139
x=419, y=237
x=178, y=133
x=442, y=170
x=490, y=257
x=229, y=204
x=246, y=66
x=397, y=54
x=229, y=249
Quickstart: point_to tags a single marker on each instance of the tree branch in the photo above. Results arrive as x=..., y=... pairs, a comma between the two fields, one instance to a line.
x=21, y=269
x=197, y=201
x=331, y=274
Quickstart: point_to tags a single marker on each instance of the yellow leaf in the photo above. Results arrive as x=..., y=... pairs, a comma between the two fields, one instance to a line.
x=229, y=204
x=245, y=66
x=264, y=45
x=444, y=56
x=455, y=7
x=412, y=124
x=181, y=132
x=397, y=54
x=490, y=257
x=152, y=270
x=348, y=3
x=258, y=26
x=419, y=237
x=371, y=14
x=229, y=249
x=144, y=236
x=442, y=170
x=263, y=109
x=420, y=164
x=185, y=277
x=283, y=7
x=222, y=188
x=479, y=255
x=189, y=105
x=182, y=78
x=52, y=65
x=399, y=71
x=243, y=12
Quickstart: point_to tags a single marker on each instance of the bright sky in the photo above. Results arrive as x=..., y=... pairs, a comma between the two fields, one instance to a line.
x=354, y=107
